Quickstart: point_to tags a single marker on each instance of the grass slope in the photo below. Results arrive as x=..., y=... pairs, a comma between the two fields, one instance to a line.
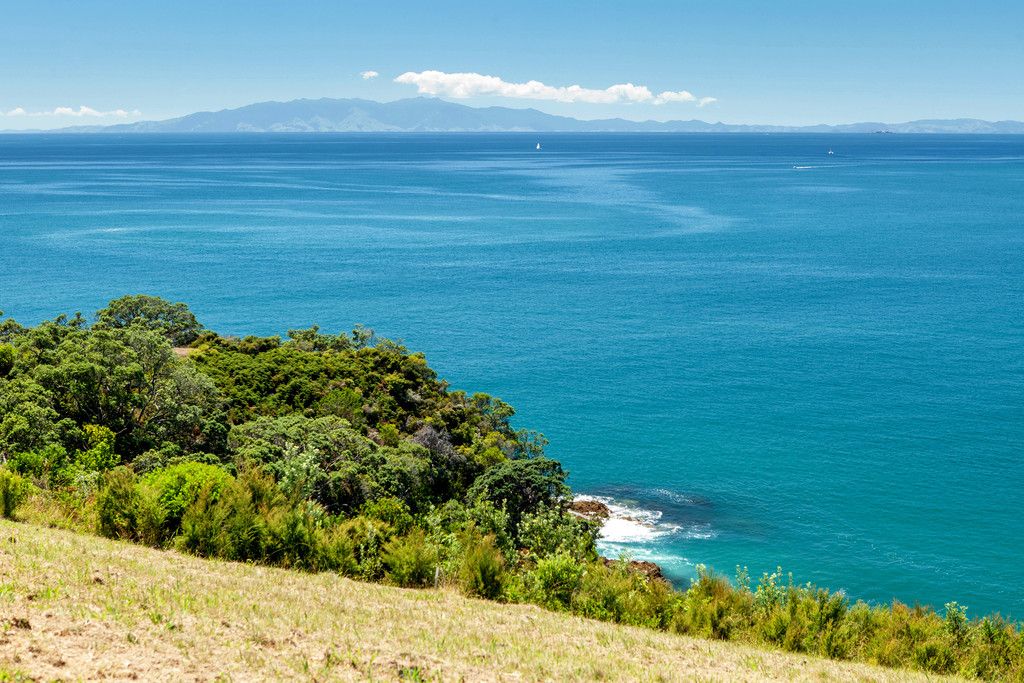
x=76, y=607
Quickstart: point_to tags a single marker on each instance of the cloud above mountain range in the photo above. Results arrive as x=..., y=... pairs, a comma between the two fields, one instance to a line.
x=81, y=112
x=465, y=85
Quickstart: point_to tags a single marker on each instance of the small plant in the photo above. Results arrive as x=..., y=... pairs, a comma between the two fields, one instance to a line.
x=956, y=622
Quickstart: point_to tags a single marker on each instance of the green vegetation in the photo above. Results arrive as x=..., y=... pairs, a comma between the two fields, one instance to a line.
x=346, y=454
x=83, y=608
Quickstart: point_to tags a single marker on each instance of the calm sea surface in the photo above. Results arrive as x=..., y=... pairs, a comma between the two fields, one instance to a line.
x=773, y=355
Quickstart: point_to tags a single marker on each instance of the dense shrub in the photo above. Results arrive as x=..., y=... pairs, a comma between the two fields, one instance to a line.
x=555, y=581
x=335, y=551
x=552, y=530
x=367, y=538
x=452, y=527
x=177, y=487
x=292, y=537
x=13, y=490
x=410, y=561
x=232, y=522
x=394, y=512
x=117, y=504
x=482, y=572
x=616, y=593
x=712, y=608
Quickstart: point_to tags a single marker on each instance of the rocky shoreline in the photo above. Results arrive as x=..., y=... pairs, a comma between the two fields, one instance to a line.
x=597, y=511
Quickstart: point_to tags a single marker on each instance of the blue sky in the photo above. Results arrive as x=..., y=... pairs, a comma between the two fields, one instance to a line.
x=762, y=62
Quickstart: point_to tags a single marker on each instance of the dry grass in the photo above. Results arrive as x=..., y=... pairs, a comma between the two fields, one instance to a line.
x=75, y=607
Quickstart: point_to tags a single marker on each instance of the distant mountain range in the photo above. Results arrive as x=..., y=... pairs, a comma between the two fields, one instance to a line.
x=422, y=114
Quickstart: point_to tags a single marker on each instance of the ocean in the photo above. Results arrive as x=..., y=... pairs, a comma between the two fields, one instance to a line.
x=759, y=353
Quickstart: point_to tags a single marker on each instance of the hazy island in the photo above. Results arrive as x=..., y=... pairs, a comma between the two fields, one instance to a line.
x=433, y=115
x=347, y=455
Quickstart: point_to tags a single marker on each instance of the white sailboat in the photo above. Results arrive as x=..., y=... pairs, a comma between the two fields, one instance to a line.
x=538, y=146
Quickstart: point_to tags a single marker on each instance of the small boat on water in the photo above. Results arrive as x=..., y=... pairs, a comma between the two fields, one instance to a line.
x=830, y=152
x=538, y=145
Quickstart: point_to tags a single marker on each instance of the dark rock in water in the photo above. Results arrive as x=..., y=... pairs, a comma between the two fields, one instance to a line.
x=591, y=509
x=650, y=570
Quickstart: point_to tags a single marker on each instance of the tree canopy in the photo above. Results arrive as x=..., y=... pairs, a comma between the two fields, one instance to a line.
x=173, y=320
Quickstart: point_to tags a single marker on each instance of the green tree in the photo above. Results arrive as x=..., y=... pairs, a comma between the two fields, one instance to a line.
x=28, y=420
x=522, y=486
x=174, y=320
x=6, y=360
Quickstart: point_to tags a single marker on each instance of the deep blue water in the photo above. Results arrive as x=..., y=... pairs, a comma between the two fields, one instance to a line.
x=783, y=357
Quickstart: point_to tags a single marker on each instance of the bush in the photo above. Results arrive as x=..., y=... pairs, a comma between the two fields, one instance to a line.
x=553, y=531
x=335, y=551
x=482, y=573
x=935, y=656
x=291, y=541
x=392, y=511
x=389, y=435
x=615, y=593
x=101, y=455
x=150, y=518
x=117, y=504
x=410, y=561
x=712, y=608
x=232, y=523
x=13, y=491
x=28, y=464
x=367, y=538
x=50, y=465
x=555, y=581
x=177, y=487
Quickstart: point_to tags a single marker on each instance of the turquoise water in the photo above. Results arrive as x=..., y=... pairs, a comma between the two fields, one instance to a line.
x=772, y=355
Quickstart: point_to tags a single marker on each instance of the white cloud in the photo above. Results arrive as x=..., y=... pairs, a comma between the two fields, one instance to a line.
x=367, y=75
x=669, y=96
x=81, y=112
x=466, y=85
x=705, y=101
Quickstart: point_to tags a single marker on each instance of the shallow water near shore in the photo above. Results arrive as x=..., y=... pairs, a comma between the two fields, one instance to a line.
x=760, y=354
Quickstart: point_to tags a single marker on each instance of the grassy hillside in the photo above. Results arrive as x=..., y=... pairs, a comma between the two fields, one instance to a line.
x=76, y=607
